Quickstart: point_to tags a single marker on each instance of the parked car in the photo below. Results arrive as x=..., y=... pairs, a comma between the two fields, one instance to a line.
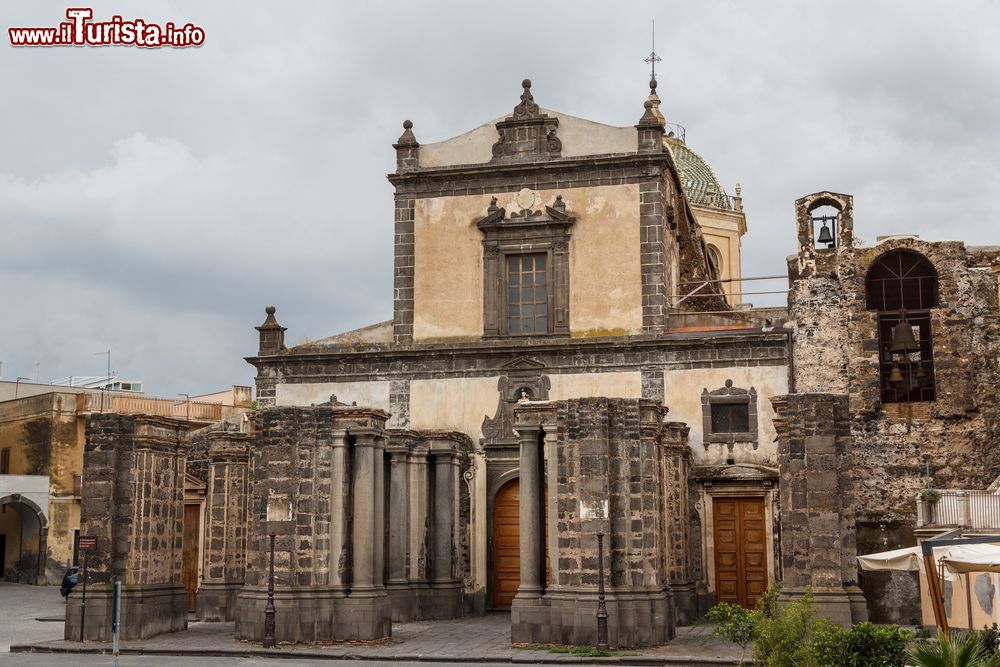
x=69, y=581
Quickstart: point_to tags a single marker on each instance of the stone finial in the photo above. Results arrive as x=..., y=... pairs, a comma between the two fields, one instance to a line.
x=527, y=108
x=655, y=99
x=272, y=334
x=651, y=130
x=407, y=148
x=738, y=198
x=559, y=204
x=407, y=138
x=493, y=206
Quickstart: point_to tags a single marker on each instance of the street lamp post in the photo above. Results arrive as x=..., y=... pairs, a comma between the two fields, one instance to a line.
x=269, y=608
x=602, y=609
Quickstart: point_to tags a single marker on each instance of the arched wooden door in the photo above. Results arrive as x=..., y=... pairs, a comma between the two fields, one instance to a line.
x=506, y=544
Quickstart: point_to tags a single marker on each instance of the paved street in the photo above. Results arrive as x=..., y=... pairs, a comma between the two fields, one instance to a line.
x=20, y=605
x=485, y=638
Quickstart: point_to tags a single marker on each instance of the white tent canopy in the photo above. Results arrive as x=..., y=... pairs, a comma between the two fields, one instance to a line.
x=956, y=559
x=908, y=559
x=972, y=558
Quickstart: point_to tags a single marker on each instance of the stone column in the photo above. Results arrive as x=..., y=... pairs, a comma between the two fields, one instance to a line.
x=378, y=520
x=446, y=591
x=363, y=582
x=419, y=522
x=398, y=584
x=340, y=496
x=532, y=545
x=444, y=485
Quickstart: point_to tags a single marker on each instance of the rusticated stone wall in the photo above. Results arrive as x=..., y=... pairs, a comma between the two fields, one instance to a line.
x=816, y=487
x=133, y=503
x=836, y=349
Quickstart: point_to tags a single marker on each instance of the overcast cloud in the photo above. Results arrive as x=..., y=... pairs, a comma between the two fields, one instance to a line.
x=154, y=201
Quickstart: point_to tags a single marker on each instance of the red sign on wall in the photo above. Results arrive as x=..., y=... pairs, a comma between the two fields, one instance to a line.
x=87, y=543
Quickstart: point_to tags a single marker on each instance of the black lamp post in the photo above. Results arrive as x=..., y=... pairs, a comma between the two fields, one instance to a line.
x=602, y=609
x=269, y=609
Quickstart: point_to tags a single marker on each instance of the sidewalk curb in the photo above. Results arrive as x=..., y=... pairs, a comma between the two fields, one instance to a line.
x=637, y=661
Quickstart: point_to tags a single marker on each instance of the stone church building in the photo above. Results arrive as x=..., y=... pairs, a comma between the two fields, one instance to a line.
x=569, y=356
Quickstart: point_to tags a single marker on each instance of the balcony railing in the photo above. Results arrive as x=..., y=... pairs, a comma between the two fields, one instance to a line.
x=164, y=407
x=960, y=508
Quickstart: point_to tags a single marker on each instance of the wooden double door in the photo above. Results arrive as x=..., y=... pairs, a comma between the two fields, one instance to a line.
x=740, y=550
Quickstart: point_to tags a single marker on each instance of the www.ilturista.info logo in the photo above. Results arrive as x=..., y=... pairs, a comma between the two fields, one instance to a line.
x=80, y=30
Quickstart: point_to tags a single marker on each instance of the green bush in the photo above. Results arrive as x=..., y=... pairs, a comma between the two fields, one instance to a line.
x=785, y=631
x=736, y=624
x=864, y=645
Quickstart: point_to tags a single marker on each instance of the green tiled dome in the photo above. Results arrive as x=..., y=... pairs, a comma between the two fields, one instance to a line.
x=698, y=178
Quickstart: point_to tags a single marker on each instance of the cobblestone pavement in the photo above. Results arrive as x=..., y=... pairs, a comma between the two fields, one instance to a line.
x=20, y=605
x=483, y=638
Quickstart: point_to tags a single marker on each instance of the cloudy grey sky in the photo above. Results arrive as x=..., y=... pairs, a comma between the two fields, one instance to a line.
x=154, y=201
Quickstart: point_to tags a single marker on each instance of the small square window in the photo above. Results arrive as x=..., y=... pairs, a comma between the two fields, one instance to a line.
x=730, y=418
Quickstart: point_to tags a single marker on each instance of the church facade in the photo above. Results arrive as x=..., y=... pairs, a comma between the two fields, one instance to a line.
x=539, y=258
x=570, y=364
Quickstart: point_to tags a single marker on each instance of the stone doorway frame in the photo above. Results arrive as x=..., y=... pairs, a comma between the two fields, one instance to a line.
x=43, y=531
x=501, y=481
x=735, y=481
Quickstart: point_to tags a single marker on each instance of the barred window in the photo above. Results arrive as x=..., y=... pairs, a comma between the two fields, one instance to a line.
x=527, y=294
x=730, y=417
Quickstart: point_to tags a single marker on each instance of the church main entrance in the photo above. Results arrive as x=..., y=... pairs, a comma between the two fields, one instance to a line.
x=740, y=550
x=506, y=545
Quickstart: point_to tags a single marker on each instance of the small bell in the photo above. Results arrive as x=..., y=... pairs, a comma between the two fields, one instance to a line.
x=896, y=375
x=902, y=338
x=825, y=236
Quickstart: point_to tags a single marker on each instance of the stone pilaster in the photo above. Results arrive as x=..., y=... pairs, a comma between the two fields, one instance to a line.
x=313, y=467
x=605, y=467
x=446, y=588
x=133, y=503
x=226, y=524
x=816, y=486
x=398, y=584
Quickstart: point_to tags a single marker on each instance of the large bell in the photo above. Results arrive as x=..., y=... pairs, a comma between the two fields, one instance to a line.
x=825, y=236
x=902, y=339
x=896, y=375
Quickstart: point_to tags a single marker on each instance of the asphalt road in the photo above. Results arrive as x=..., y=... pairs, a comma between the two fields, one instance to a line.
x=37, y=659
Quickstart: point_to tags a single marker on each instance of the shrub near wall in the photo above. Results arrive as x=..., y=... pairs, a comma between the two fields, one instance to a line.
x=864, y=645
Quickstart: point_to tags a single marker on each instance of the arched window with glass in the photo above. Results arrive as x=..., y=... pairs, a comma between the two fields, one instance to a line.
x=902, y=286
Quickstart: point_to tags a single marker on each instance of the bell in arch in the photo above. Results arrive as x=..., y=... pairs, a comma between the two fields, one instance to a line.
x=825, y=236
x=902, y=338
x=896, y=375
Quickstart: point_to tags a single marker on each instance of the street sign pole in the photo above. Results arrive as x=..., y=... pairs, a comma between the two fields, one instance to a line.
x=116, y=620
x=86, y=544
x=83, y=599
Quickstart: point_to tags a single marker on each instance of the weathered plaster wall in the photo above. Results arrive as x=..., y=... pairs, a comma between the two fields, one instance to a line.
x=453, y=404
x=448, y=267
x=683, y=390
x=723, y=229
x=585, y=385
x=373, y=394
x=605, y=278
x=578, y=136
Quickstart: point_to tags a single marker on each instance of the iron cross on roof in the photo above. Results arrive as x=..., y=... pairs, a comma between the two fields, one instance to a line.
x=652, y=58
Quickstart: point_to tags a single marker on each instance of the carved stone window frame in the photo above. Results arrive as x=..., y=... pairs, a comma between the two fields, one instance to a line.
x=543, y=231
x=729, y=395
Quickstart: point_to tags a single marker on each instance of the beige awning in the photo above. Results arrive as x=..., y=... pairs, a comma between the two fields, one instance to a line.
x=909, y=559
x=972, y=558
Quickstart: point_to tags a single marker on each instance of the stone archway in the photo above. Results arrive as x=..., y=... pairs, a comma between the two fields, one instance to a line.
x=30, y=517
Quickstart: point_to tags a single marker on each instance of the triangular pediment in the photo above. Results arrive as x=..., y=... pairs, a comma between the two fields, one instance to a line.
x=522, y=363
